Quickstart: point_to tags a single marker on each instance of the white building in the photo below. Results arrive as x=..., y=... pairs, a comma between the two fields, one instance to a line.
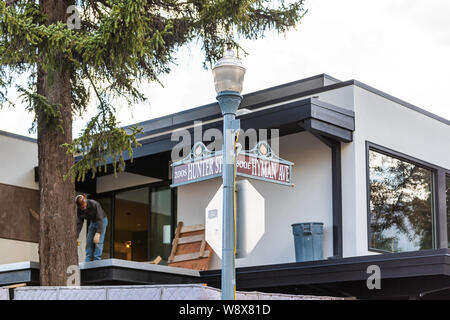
x=374, y=169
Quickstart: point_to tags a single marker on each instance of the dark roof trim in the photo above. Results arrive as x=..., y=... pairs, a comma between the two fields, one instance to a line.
x=19, y=272
x=267, y=97
x=17, y=136
x=318, y=116
x=108, y=271
x=393, y=265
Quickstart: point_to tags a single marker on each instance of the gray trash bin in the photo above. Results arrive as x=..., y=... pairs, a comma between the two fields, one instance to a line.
x=308, y=241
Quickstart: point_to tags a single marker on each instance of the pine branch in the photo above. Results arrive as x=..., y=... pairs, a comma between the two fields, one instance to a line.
x=12, y=2
x=119, y=44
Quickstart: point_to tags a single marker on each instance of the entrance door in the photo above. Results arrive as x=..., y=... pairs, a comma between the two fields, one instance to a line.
x=131, y=225
x=143, y=223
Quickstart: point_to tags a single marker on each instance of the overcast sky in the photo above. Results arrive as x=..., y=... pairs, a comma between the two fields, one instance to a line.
x=401, y=47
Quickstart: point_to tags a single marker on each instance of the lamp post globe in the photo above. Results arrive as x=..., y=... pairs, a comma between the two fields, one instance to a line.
x=228, y=80
x=228, y=73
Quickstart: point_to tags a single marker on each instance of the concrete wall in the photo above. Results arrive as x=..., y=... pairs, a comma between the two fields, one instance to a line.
x=310, y=200
x=391, y=125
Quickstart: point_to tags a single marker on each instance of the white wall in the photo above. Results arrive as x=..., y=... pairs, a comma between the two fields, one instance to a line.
x=310, y=200
x=17, y=161
x=341, y=97
x=17, y=251
x=393, y=126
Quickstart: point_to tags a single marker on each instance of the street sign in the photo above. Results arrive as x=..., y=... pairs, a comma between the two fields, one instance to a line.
x=259, y=163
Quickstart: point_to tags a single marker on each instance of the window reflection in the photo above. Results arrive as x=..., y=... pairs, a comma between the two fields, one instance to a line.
x=400, y=204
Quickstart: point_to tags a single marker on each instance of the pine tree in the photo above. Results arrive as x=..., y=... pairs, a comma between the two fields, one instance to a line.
x=70, y=50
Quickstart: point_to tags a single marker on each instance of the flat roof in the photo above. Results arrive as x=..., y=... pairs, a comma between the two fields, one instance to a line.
x=273, y=95
x=296, y=89
x=138, y=266
x=107, y=271
x=419, y=274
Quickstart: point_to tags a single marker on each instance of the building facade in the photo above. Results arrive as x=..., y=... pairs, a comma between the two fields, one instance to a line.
x=374, y=169
x=19, y=231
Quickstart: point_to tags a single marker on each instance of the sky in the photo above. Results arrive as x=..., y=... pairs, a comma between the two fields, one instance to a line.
x=401, y=47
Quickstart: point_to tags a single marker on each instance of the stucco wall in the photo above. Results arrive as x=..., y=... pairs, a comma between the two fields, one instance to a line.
x=17, y=162
x=17, y=251
x=310, y=200
x=391, y=125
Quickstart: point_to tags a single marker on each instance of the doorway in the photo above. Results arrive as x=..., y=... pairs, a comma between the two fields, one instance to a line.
x=142, y=223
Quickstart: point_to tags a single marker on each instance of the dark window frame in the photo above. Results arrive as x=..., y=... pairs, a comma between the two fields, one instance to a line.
x=446, y=201
x=112, y=195
x=439, y=209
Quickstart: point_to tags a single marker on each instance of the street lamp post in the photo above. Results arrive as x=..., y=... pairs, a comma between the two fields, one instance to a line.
x=228, y=79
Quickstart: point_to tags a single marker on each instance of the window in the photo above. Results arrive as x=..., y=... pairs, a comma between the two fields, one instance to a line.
x=400, y=204
x=161, y=229
x=141, y=222
x=131, y=225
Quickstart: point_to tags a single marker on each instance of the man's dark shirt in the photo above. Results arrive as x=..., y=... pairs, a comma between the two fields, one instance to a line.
x=93, y=213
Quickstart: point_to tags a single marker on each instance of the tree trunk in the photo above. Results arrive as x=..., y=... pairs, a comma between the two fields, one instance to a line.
x=57, y=240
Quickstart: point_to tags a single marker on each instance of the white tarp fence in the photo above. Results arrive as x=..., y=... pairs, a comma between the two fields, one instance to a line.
x=4, y=294
x=147, y=292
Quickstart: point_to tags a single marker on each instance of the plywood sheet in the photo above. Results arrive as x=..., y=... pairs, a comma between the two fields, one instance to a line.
x=189, y=248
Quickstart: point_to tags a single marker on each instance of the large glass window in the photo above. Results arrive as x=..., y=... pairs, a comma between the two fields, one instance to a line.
x=141, y=223
x=131, y=225
x=401, y=214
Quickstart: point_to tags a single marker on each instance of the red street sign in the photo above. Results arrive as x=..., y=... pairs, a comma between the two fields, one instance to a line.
x=263, y=169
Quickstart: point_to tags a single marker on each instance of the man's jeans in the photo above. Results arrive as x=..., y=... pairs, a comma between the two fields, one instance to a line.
x=94, y=251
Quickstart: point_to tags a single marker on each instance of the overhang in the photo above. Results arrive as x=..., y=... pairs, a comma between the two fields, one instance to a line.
x=408, y=275
x=104, y=272
x=323, y=118
x=320, y=118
